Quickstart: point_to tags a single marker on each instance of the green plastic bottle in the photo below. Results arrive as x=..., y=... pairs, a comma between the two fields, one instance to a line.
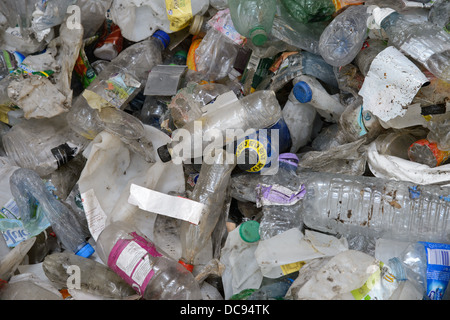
x=253, y=18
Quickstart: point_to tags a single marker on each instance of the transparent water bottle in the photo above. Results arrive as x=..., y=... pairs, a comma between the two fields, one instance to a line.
x=253, y=18
x=255, y=111
x=426, y=43
x=343, y=38
x=144, y=266
x=375, y=207
x=370, y=49
x=95, y=277
x=210, y=190
x=27, y=187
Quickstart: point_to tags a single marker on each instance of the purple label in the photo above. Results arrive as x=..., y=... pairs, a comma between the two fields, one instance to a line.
x=131, y=260
x=279, y=195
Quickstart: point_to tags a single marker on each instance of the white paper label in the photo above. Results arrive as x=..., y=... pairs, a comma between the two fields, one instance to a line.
x=95, y=215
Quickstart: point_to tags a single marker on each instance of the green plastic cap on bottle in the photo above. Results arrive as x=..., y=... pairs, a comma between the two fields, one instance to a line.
x=258, y=36
x=249, y=231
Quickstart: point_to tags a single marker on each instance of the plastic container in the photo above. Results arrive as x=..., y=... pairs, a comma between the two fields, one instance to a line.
x=210, y=190
x=9, y=61
x=343, y=38
x=133, y=63
x=43, y=145
x=10, y=262
x=139, y=21
x=137, y=260
x=241, y=268
x=426, y=43
x=95, y=277
x=370, y=49
x=26, y=188
x=299, y=118
x=375, y=207
x=425, y=265
x=255, y=111
x=309, y=90
x=253, y=18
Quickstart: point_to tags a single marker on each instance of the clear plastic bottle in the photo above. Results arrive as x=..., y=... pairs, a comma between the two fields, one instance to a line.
x=134, y=63
x=43, y=145
x=253, y=18
x=255, y=111
x=370, y=49
x=95, y=277
x=375, y=207
x=143, y=266
x=211, y=190
x=26, y=188
x=309, y=90
x=343, y=38
x=439, y=14
x=241, y=268
x=426, y=43
x=281, y=199
x=425, y=265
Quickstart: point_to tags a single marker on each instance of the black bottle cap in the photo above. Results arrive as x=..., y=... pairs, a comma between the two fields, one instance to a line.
x=164, y=154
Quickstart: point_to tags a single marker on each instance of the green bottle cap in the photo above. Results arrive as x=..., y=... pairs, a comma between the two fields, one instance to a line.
x=258, y=36
x=249, y=231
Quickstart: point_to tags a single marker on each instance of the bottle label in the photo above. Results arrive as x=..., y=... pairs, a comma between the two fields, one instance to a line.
x=379, y=286
x=438, y=269
x=440, y=155
x=222, y=22
x=129, y=258
x=271, y=195
x=179, y=13
x=259, y=148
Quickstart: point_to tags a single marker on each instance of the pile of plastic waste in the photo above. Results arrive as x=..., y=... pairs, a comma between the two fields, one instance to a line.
x=224, y=150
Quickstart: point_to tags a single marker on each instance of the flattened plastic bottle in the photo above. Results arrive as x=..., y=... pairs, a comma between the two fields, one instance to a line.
x=375, y=207
x=26, y=188
x=143, y=266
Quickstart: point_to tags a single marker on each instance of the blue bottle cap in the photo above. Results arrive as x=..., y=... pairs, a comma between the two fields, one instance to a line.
x=86, y=251
x=164, y=37
x=302, y=92
x=249, y=231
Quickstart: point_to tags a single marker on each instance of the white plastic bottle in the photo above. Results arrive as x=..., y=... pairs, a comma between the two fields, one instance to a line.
x=309, y=90
x=299, y=118
x=371, y=206
x=142, y=265
x=238, y=255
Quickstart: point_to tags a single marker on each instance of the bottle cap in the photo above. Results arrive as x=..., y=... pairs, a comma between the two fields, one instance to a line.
x=196, y=25
x=188, y=266
x=247, y=159
x=181, y=53
x=86, y=251
x=249, y=231
x=164, y=154
x=302, y=92
x=164, y=37
x=258, y=36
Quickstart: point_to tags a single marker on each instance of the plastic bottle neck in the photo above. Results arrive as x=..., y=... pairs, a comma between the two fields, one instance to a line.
x=188, y=266
x=390, y=21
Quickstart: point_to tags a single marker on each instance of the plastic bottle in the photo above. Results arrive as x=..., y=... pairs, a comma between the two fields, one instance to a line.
x=237, y=254
x=27, y=187
x=309, y=90
x=426, y=152
x=375, y=207
x=137, y=260
x=253, y=19
x=43, y=145
x=370, y=49
x=95, y=277
x=133, y=63
x=138, y=21
x=426, y=43
x=439, y=14
x=255, y=111
x=210, y=190
x=425, y=264
x=343, y=38
x=280, y=200
x=178, y=59
x=27, y=286
x=318, y=10
x=299, y=118
x=270, y=142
